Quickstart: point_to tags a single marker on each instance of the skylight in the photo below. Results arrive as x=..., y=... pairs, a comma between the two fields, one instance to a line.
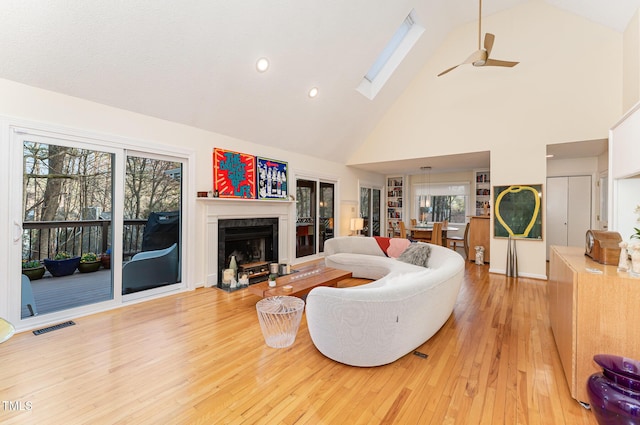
x=393, y=53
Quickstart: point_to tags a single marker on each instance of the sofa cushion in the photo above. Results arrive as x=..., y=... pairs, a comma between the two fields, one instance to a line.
x=416, y=253
x=397, y=246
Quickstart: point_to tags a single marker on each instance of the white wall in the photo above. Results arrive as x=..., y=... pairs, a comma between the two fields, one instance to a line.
x=558, y=93
x=23, y=102
x=631, y=75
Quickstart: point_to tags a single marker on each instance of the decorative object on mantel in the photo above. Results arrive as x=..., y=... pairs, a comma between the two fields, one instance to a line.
x=203, y=194
x=517, y=211
x=272, y=179
x=234, y=174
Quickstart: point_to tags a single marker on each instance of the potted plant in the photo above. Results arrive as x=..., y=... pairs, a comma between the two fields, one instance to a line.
x=62, y=264
x=89, y=262
x=33, y=269
x=105, y=259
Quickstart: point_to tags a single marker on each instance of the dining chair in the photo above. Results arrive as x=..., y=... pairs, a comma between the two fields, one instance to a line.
x=463, y=240
x=403, y=229
x=414, y=222
x=436, y=233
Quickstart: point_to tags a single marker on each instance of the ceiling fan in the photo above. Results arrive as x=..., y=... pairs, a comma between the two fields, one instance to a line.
x=481, y=56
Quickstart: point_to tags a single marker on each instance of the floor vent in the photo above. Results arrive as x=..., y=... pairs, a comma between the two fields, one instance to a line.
x=54, y=327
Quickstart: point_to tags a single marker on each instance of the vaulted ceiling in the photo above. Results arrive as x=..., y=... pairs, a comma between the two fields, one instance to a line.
x=193, y=61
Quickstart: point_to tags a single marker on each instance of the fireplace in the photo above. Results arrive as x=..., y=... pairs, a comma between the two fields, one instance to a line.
x=254, y=243
x=218, y=210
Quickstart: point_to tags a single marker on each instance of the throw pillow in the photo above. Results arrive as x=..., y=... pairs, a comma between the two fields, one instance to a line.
x=397, y=246
x=416, y=253
x=383, y=243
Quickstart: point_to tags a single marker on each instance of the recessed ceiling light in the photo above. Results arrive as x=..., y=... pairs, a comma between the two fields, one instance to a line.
x=313, y=92
x=550, y=155
x=262, y=65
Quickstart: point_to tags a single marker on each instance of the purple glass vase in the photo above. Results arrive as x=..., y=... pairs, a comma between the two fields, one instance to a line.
x=614, y=393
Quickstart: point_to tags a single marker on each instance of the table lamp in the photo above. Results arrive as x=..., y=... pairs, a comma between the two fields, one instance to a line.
x=357, y=224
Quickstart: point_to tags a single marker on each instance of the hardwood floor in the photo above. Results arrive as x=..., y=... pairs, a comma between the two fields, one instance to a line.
x=199, y=358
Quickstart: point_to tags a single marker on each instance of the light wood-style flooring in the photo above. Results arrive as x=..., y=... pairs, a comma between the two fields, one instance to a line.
x=199, y=358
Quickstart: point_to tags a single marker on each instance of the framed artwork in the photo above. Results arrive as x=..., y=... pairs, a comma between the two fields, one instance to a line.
x=517, y=211
x=272, y=179
x=234, y=174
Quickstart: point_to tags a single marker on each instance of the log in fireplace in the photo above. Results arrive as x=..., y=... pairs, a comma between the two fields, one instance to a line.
x=253, y=241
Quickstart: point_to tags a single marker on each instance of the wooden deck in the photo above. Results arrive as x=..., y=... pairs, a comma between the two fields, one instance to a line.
x=199, y=358
x=60, y=293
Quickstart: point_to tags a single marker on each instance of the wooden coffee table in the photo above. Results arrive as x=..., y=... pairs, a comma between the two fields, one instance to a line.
x=302, y=281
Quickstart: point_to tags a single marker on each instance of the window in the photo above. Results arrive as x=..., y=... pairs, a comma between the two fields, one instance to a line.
x=441, y=201
x=389, y=59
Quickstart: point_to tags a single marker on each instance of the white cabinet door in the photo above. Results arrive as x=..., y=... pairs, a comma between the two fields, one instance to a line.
x=579, y=209
x=568, y=210
x=557, y=188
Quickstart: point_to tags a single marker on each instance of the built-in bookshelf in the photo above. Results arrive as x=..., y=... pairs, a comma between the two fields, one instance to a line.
x=483, y=192
x=395, y=192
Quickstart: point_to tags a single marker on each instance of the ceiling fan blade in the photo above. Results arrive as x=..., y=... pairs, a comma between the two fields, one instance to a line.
x=495, y=62
x=488, y=42
x=448, y=70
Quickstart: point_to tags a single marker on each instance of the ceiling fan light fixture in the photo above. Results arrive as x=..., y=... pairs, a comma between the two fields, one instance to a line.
x=482, y=57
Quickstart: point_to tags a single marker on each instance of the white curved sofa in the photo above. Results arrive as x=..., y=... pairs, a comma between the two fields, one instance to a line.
x=379, y=322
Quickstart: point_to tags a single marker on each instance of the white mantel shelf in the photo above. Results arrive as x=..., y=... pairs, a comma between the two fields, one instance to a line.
x=228, y=208
x=243, y=200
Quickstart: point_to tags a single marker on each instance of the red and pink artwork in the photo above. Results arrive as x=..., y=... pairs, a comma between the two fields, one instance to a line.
x=234, y=174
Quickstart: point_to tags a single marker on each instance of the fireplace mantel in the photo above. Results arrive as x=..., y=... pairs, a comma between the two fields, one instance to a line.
x=224, y=208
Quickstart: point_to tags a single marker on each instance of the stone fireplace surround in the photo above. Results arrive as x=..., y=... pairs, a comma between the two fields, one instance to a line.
x=217, y=209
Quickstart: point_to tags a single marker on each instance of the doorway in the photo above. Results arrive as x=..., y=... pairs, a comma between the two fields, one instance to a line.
x=370, y=201
x=315, y=215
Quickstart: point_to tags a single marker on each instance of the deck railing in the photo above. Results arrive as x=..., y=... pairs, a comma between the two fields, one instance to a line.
x=43, y=239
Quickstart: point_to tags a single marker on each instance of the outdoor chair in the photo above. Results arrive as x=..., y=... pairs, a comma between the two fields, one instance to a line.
x=27, y=296
x=150, y=269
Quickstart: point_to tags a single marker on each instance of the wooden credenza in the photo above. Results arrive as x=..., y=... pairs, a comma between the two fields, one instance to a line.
x=479, y=236
x=590, y=314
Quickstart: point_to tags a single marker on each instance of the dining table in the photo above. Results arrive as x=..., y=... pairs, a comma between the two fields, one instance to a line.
x=423, y=233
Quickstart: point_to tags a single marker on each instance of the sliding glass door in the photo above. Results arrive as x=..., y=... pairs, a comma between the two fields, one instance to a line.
x=151, y=225
x=95, y=225
x=370, y=210
x=67, y=204
x=315, y=215
x=305, y=217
